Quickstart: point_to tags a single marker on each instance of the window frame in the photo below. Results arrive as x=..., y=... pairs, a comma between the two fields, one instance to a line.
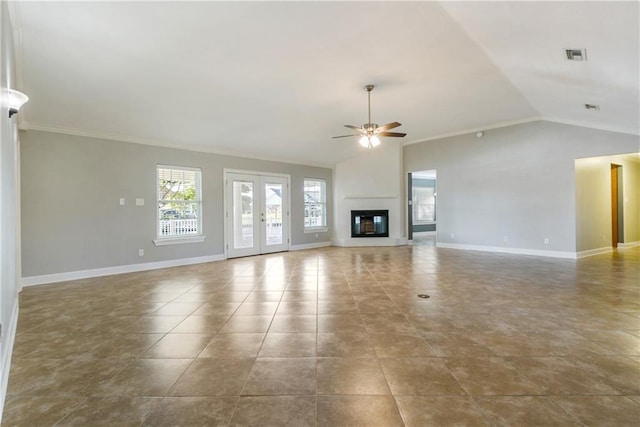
x=418, y=201
x=162, y=240
x=323, y=191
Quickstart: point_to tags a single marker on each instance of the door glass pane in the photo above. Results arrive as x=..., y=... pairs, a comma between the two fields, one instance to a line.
x=243, y=232
x=273, y=213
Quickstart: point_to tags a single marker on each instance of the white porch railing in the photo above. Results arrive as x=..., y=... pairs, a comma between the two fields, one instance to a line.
x=178, y=227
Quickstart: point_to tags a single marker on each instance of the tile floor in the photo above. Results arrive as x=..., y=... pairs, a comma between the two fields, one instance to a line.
x=333, y=337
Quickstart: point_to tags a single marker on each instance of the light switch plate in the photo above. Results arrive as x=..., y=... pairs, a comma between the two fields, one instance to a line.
x=122, y=201
x=139, y=202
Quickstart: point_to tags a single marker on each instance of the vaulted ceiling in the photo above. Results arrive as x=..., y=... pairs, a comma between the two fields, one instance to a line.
x=277, y=80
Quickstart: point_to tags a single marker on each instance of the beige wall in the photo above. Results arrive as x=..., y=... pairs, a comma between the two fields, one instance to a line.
x=593, y=200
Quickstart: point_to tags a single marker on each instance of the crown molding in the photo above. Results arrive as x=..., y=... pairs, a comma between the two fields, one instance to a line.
x=162, y=144
x=590, y=126
x=477, y=129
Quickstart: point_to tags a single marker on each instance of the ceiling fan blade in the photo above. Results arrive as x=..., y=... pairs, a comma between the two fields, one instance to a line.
x=392, y=134
x=345, y=136
x=353, y=127
x=388, y=126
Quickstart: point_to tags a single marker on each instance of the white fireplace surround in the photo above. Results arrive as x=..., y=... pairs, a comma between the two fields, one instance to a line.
x=383, y=189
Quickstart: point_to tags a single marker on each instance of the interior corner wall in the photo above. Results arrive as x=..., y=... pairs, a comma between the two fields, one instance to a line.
x=593, y=201
x=9, y=196
x=517, y=184
x=70, y=212
x=371, y=181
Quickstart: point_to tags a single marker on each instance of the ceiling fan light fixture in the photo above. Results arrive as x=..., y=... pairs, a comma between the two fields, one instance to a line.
x=369, y=132
x=369, y=141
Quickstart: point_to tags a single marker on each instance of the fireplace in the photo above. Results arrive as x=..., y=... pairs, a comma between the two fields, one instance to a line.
x=370, y=223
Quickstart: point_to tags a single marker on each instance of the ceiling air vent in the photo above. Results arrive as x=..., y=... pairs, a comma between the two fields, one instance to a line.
x=591, y=106
x=576, y=54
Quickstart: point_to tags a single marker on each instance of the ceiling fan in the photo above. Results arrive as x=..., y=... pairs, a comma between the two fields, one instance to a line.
x=369, y=133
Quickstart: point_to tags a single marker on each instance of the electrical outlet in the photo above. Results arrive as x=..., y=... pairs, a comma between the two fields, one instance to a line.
x=140, y=252
x=453, y=236
x=506, y=239
x=546, y=240
x=139, y=202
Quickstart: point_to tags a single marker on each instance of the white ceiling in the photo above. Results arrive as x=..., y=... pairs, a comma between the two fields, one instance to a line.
x=276, y=80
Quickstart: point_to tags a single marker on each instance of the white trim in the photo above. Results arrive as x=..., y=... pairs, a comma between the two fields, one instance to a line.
x=7, y=353
x=476, y=129
x=316, y=230
x=226, y=171
x=584, y=124
x=108, y=271
x=227, y=232
x=629, y=244
x=164, y=144
x=591, y=252
x=433, y=233
x=520, y=122
x=515, y=251
x=370, y=241
x=178, y=240
x=306, y=246
x=325, y=211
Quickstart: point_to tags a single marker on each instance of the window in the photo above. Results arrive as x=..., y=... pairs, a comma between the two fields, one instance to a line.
x=179, y=204
x=315, y=204
x=424, y=204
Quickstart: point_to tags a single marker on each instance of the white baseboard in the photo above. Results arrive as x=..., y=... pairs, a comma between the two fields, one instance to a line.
x=597, y=251
x=515, y=251
x=424, y=233
x=7, y=352
x=362, y=242
x=309, y=246
x=629, y=244
x=108, y=271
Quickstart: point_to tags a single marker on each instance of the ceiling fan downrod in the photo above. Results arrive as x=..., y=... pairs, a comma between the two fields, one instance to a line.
x=369, y=127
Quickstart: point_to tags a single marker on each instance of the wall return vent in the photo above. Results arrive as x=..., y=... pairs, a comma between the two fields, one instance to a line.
x=576, y=54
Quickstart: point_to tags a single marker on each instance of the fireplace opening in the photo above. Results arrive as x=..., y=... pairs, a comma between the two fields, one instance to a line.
x=370, y=223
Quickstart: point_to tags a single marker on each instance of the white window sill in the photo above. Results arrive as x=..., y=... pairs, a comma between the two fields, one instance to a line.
x=178, y=240
x=316, y=230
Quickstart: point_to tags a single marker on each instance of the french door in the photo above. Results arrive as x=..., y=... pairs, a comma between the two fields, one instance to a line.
x=256, y=213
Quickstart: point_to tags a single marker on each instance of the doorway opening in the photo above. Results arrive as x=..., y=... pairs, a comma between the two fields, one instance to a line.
x=256, y=213
x=422, y=207
x=617, y=207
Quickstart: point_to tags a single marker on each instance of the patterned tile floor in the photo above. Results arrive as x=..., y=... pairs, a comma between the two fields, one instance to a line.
x=336, y=336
